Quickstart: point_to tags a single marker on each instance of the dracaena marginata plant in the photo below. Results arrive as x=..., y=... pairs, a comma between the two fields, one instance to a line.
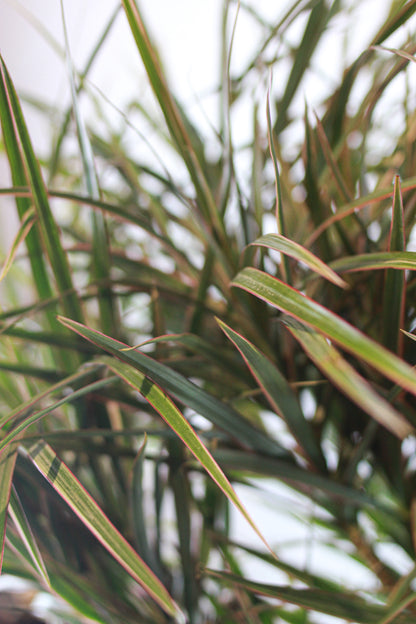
x=176, y=337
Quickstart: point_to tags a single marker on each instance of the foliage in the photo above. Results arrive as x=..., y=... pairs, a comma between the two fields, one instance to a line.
x=174, y=353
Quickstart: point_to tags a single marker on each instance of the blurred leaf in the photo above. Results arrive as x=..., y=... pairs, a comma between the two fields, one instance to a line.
x=280, y=219
x=310, y=483
x=346, y=378
x=7, y=463
x=317, y=207
x=21, y=523
x=75, y=594
x=49, y=228
x=312, y=580
x=219, y=248
x=179, y=482
x=19, y=178
x=25, y=227
x=394, y=293
x=49, y=375
x=356, y=204
x=101, y=253
x=337, y=604
x=405, y=260
x=24, y=416
x=137, y=505
x=402, y=53
x=331, y=161
x=172, y=116
x=317, y=22
x=400, y=12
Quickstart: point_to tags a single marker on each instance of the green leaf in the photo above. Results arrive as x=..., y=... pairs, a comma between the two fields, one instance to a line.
x=301, y=254
x=400, y=12
x=279, y=394
x=24, y=229
x=173, y=417
x=219, y=249
x=137, y=503
x=297, y=305
x=404, y=260
x=306, y=481
x=23, y=204
x=138, y=218
x=394, y=292
x=50, y=230
x=331, y=161
x=18, y=417
x=219, y=413
x=21, y=523
x=172, y=115
x=84, y=506
x=312, y=580
x=337, y=604
x=7, y=463
x=314, y=200
x=279, y=203
x=346, y=378
x=74, y=589
x=101, y=253
x=180, y=484
x=317, y=22
x=352, y=207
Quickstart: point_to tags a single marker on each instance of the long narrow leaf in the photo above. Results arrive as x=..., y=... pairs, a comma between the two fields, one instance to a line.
x=137, y=504
x=7, y=464
x=405, y=260
x=180, y=484
x=331, y=161
x=315, y=26
x=68, y=382
x=284, y=245
x=23, y=204
x=311, y=483
x=297, y=305
x=355, y=205
x=278, y=190
x=279, y=394
x=25, y=227
x=173, y=417
x=219, y=413
x=50, y=231
x=394, y=294
x=172, y=115
x=21, y=523
x=32, y=418
x=337, y=604
x=84, y=506
x=101, y=255
x=342, y=374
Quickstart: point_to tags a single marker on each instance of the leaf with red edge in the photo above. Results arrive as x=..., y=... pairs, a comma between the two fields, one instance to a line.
x=73, y=493
x=313, y=314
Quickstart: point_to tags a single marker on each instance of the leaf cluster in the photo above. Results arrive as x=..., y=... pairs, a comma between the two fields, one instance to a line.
x=165, y=349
